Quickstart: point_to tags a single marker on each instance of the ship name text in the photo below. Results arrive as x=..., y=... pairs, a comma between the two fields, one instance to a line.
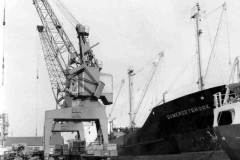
x=187, y=111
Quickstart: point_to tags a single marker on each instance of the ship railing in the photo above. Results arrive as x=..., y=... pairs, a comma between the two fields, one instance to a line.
x=222, y=99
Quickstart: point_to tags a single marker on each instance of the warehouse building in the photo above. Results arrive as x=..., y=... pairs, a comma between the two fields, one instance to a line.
x=31, y=143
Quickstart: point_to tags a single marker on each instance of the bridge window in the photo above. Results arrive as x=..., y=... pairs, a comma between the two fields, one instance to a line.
x=226, y=117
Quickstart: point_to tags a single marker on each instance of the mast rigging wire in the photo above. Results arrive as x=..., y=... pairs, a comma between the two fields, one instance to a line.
x=145, y=65
x=214, y=10
x=223, y=6
x=37, y=94
x=228, y=38
x=215, y=40
x=116, y=98
x=171, y=84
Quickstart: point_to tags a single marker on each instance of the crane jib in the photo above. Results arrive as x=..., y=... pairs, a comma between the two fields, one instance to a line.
x=53, y=26
x=72, y=75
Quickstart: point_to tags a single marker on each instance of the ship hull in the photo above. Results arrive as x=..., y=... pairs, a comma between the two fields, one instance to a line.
x=209, y=155
x=230, y=140
x=178, y=126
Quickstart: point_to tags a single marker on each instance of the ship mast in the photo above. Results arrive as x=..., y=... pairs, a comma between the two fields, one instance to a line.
x=130, y=76
x=196, y=16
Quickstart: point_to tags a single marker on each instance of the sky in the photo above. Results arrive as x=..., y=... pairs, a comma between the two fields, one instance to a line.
x=131, y=34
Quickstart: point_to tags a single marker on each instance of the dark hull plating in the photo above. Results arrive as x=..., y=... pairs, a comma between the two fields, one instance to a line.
x=230, y=140
x=209, y=155
x=181, y=125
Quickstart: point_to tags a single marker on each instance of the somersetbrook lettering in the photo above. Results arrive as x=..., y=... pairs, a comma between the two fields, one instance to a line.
x=187, y=111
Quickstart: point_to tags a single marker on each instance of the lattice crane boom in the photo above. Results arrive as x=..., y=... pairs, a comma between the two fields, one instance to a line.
x=55, y=32
x=56, y=76
x=235, y=70
x=59, y=53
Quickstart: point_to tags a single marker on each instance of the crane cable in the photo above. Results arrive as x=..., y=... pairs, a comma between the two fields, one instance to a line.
x=3, y=51
x=66, y=13
x=37, y=94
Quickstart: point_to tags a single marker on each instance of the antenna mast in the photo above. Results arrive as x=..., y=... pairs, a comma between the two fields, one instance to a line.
x=196, y=16
x=4, y=23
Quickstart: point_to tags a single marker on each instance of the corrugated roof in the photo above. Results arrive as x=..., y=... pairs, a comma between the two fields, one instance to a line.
x=29, y=141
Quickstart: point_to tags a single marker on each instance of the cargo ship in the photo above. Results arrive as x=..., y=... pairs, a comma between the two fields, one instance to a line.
x=182, y=125
x=227, y=119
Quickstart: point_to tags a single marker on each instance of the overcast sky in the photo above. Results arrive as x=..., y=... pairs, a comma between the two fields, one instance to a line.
x=131, y=33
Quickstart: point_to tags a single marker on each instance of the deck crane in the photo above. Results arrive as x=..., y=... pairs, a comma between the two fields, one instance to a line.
x=114, y=103
x=146, y=87
x=76, y=79
x=235, y=73
x=235, y=70
x=110, y=118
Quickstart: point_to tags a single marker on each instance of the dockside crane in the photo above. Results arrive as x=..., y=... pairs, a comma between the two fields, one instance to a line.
x=76, y=79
